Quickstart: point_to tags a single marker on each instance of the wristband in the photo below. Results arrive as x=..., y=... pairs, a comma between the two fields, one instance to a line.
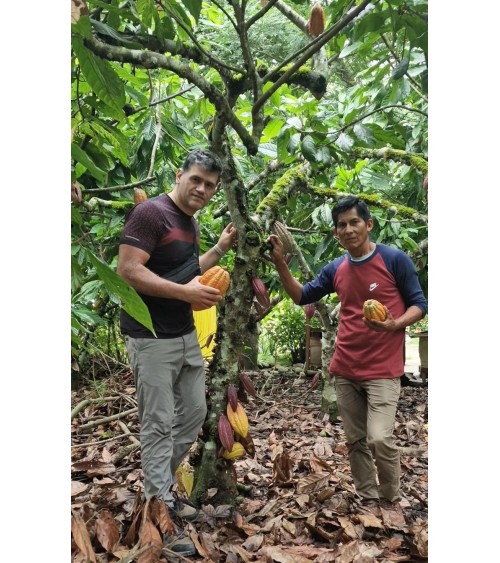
x=219, y=250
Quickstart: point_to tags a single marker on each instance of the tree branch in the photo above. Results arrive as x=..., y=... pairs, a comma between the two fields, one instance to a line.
x=151, y=59
x=314, y=48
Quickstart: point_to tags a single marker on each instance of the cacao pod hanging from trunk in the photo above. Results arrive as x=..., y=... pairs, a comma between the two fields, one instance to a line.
x=247, y=384
x=232, y=396
x=238, y=419
x=286, y=238
x=261, y=293
x=310, y=309
x=226, y=433
x=236, y=451
x=316, y=24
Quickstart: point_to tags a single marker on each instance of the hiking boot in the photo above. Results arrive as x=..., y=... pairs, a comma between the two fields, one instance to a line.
x=392, y=514
x=179, y=543
x=183, y=511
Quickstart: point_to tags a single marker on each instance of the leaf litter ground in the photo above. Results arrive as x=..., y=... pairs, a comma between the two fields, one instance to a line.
x=297, y=496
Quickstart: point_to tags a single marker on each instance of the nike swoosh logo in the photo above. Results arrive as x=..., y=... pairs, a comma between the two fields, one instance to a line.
x=373, y=286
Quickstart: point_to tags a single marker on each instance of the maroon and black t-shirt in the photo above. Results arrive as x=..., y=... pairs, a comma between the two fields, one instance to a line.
x=170, y=237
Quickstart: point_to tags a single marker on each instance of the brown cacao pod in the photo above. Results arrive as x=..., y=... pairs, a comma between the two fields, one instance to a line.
x=236, y=451
x=215, y=277
x=315, y=380
x=139, y=195
x=232, y=396
x=286, y=238
x=316, y=20
x=310, y=309
x=247, y=443
x=261, y=292
x=238, y=419
x=226, y=433
x=76, y=193
x=374, y=310
x=247, y=384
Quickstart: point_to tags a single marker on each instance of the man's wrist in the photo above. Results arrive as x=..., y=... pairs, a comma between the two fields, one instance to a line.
x=219, y=250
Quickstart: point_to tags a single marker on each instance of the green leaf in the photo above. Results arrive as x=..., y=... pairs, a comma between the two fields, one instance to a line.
x=194, y=6
x=146, y=10
x=100, y=75
x=272, y=129
x=130, y=299
x=309, y=148
x=364, y=133
x=268, y=149
x=82, y=27
x=371, y=22
x=350, y=49
x=104, y=29
x=344, y=142
x=80, y=156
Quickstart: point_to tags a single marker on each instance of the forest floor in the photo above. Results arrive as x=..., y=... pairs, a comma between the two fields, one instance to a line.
x=297, y=496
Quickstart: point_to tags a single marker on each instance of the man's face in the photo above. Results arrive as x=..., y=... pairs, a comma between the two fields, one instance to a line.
x=195, y=187
x=353, y=232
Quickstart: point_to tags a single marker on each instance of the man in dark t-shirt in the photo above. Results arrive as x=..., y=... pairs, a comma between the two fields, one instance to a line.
x=160, y=236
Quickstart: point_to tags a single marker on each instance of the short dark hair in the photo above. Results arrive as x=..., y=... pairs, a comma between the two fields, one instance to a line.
x=348, y=202
x=205, y=159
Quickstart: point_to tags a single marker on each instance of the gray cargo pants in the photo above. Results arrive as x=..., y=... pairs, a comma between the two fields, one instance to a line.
x=170, y=384
x=368, y=411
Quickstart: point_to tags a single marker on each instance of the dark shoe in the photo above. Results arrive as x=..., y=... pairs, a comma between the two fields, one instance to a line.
x=179, y=543
x=184, y=511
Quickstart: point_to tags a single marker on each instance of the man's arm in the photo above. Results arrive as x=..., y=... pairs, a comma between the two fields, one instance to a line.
x=290, y=284
x=131, y=267
x=226, y=240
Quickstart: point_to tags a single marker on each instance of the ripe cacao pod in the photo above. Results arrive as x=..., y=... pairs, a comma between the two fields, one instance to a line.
x=232, y=396
x=139, y=195
x=215, y=277
x=286, y=238
x=261, y=292
x=310, y=309
x=238, y=419
x=316, y=23
x=236, y=451
x=225, y=431
x=374, y=310
x=247, y=384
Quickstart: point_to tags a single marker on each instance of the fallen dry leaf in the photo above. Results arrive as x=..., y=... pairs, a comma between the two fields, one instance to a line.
x=107, y=531
x=82, y=538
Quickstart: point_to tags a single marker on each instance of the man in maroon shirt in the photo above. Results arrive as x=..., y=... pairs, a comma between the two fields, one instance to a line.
x=368, y=359
x=161, y=237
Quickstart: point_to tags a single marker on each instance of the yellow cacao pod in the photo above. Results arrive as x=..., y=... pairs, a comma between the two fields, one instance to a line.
x=374, y=310
x=215, y=277
x=316, y=20
x=139, y=195
x=238, y=419
x=236, y=451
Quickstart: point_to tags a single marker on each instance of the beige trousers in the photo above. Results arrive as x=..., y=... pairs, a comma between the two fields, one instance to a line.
x=170, y=384
x=368, y=410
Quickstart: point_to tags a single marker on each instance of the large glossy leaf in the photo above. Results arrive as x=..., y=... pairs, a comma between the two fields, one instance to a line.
x=309, y=148
x=146, y=10
x=194, y=7
x=82, y=157
x=130, y=299
x=100, y=75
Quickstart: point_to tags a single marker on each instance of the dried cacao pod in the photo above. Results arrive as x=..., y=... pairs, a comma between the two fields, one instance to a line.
x=247, y=443
x=226, y=433
x=315, y=380
x=139, y=195
x=310, y=309
x=261, y=292
x=215, y=277
x=238, y=419
x=76, y=193
x=316, y=23
x=374, y=310
x=286, y=238
x=247, y=384
x=236, y=451
x=232, y=396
